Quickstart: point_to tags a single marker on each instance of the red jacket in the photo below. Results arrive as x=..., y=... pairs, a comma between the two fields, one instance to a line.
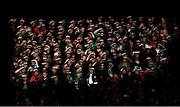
x=36, y=30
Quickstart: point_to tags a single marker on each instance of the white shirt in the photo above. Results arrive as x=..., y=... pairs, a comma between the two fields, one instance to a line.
x=157, y=50
x=90, y=79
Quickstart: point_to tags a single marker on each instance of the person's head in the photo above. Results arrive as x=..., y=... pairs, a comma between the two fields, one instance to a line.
x=154, y=38
x=144, y=39
x=70, y=31
x=92, y=59
x=79, y=38
x=22, y=21
x=78, y=46
x=164, y=60
x=42, y=102
x=163, y=20
x=24, y=77
x=91, y=70
x=90, y=42
x=123, y=70
x=33, y=24
x=33, y=62
x=169, y=38
x=114, y=55
x=98, y=45
x=52, y=23
x=55, y=78
x=84, y=57
x=159, y=46
x=103, y=55
x=15, y=65
x=110, y=63
x=101, y=66
x=102, y=42
x=69, y=62
x=147, y=70
x=36, y=72
x=136, y=54
x=129, y=73
x=130, y=42
x=87, y=39
x=150, y=64
x=148, y=50
x=120, y=40
x=26, y=58
x=46, y=65
x=79, y=74
x=34, y=43
x=101, y=34
x=24, y=70
x=54, y=69
x=68, y=55
x=44, y=74
x=109, y=34
x=125, y=58
x=148, y=58
x=73, y=57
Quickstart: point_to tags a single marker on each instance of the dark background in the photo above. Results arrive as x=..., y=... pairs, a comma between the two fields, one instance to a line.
x=6, y=56
x=76, y=10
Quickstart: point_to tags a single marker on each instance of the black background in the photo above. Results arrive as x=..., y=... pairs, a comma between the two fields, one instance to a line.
x=76, y=9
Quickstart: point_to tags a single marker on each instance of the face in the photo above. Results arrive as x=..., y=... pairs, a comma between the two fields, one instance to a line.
x=15, y=65
x=91, y=71
x=129, y=73
x=54, y=70
x=69, y=62
x=44, y=74
x=154, y=38
x=71, y=31
x=165, y=61
x=46, y=65
x=98, y=46
x=104, y=56
x=125, y=40
x=121, y=41
x=102, y=34
x=110, y=63
x=36, y=73
x=148, y=50
x=23, y=70
x=125, y=59
x=144, y=40
x=30, y=69
x=78, y=74
x=56, y=78
x=25, y=78
x=67, y=68
x=102, y=42
x=84, y=58
x=114, y=55
x=158, y=46
x=68, y=55
x=163, y=20
x=136, y=55
x=102, y=66
x=131, y=43
x=91, y=43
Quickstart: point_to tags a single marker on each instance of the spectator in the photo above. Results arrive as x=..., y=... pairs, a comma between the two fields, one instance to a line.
x=88, y=62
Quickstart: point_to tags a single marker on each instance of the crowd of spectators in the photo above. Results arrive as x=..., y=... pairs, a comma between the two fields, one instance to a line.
x=92, y=61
